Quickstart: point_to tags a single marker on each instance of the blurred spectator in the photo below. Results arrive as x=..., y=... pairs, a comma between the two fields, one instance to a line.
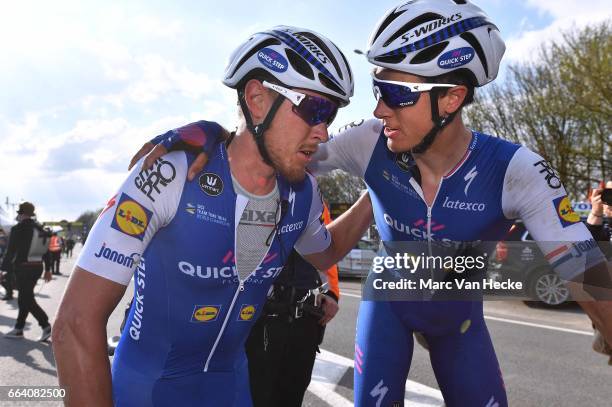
x=24, y=256
x=55, y=248
x=69, y=246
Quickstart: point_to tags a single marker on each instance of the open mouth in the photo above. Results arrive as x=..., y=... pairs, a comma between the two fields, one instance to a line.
x=391, y=132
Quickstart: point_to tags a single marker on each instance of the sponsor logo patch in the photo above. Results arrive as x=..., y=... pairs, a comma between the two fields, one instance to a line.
x=158, y=176
x=456, y=57
x=117, y=257
x=131, y=218
x=111, y=202
x=205, y=313
x=566, y=214
x=272, y=60
x=211, y=184
x=404, y=161
x=551, y=176
x=247, y=312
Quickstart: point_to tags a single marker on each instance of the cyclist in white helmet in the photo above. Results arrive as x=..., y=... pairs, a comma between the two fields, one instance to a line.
x=204, y=253
x=432, y=180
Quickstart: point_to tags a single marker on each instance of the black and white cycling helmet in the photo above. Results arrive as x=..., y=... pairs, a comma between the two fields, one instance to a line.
x=297, y=58
x=433, y=37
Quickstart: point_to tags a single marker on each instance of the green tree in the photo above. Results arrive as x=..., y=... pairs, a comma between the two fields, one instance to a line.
x=560, y=105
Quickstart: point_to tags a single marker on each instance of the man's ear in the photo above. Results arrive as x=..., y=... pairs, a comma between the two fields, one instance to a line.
x=257, y=99
x=453, y=99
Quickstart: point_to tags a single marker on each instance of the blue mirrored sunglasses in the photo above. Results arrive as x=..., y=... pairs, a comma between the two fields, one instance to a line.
x=312, y=109
x=402, y=94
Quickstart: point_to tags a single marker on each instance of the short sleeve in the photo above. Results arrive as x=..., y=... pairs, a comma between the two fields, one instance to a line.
x=145, y=202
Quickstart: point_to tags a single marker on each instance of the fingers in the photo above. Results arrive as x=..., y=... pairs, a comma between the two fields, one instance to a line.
x=144, y=150
x=330, y=308
x=197, y=165
x=157, y=152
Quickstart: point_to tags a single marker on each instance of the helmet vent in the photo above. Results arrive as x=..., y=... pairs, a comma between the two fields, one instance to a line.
x=317, y=41
x=330, y=85
x=391, y=59
x=263, y=44
x=386, y=23
x=429, y=53
x=298, y=63
x=469, y=37
x=459, y=1
x=422, y=19
x=348, y=67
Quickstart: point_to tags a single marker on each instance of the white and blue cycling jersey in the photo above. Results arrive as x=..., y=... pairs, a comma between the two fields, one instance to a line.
x=183, y=342
x=495, y=183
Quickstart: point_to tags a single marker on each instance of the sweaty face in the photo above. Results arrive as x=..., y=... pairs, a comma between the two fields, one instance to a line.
x=291, y=142
x=405, y=127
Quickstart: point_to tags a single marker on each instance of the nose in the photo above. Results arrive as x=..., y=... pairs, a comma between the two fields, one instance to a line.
x=320, y=132
x=382, y=110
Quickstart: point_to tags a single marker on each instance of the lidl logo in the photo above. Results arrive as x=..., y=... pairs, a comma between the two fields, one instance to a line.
x=566, y=214
x=131, y=217
x=247, y=312
x=205, y=313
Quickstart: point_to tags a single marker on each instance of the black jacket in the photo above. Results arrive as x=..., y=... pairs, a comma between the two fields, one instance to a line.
x=20, y=242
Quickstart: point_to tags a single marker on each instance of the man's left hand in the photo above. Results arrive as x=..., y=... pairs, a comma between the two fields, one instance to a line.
x=47, y=276
x=329, y=306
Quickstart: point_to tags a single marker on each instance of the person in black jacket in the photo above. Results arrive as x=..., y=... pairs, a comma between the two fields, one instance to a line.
x=282, y=345
x=28, y=268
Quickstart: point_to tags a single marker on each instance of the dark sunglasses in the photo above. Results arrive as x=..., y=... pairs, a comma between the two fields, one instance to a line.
x=401, y=94
x=312, y=109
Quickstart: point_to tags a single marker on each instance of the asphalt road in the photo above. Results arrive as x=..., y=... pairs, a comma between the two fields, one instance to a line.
x=545, y=354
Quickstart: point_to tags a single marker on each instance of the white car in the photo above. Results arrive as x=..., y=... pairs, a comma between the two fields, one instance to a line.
x=359, y=260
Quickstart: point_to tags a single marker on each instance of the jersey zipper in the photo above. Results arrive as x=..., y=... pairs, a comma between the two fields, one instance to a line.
x=241, y=282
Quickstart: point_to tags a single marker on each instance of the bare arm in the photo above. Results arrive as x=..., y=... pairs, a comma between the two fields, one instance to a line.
x=79, y=338
x=346, y=232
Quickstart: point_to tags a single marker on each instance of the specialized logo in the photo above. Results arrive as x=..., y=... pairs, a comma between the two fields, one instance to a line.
x=272, y=60
x=247, y=312
x=311, y=46
x=464, y=206
x=291, y=199
x=159, y=175
x=379, y=392
x=433, y=25
x=469, y=178
x=404, y=161
x=566, y=214
x=456, y=57
x=111, y=202
x=205, y=313
x=116, y=257
x=551, y=175
x=211, y=184
x=131, y=217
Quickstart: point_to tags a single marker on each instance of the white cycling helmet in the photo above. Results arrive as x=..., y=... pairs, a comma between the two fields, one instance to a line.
x=433, y=37
x=297, y=58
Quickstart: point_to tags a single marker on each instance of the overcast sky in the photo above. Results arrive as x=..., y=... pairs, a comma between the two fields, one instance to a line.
x=85, y=83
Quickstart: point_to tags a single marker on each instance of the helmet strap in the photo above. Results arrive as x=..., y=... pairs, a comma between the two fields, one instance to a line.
x=438, y=123
x=259, y=129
